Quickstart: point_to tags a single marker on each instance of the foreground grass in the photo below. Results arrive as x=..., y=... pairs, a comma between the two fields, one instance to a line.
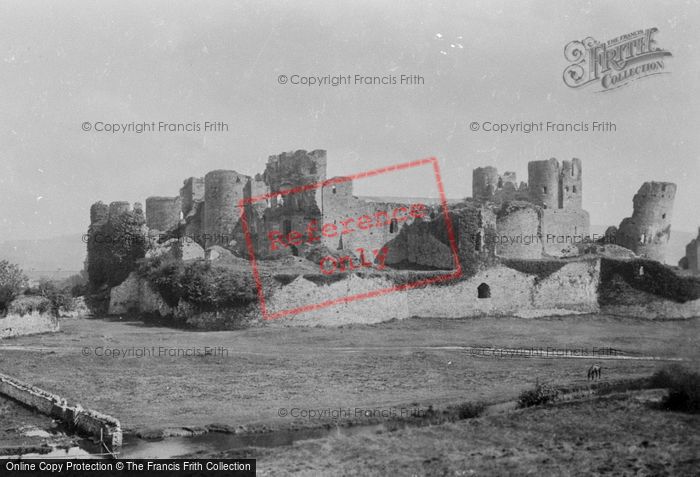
x=607, y=436
x=368, y=366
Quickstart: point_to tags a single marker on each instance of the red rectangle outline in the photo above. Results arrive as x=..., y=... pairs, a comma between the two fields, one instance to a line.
x=337, y=180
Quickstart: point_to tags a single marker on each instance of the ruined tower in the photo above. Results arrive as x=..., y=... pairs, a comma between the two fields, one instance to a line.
x=162, y=213
x=223, y=191
x=691, y=261
x=98, y=212
x=290, y=170
x=543, y=183
x=484, y=182
x=570, y=183
x=648, y=230
x=191, y=193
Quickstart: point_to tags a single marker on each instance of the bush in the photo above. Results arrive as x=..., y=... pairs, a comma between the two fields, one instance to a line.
x=12, y=281
x=60, y=298
x=209, y=287
x=468, y=410
x=541, y=394
x=27, y=304
x=683, y=386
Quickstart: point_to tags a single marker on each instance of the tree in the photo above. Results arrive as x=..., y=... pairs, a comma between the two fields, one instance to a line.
x=12, y=282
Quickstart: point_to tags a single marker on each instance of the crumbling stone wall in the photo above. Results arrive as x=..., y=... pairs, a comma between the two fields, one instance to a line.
x=91, y=422
x=648, y=230
x=562, y=229
x=29, y=324
x=510, y=292
x=474, y=227
x=191, y=193
x=339, y=204
x=163, y=213
x=518, y=230
x=488, y=185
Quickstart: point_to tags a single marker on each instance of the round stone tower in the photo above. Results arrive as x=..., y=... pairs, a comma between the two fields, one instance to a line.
x=543, y=183
x=223, y=191
x=648, y=230
x=570, y=192
x=98, y=212
x=162, y=213
x=484, y=182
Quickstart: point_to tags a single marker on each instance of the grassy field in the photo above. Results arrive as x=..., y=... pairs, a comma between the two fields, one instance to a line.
x=617, y=436
x=369, y=366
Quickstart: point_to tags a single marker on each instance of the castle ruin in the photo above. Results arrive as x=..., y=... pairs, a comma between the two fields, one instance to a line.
x=538, y=219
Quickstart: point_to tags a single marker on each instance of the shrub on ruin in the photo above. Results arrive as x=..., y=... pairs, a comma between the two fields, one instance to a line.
x=542, y=393
x=114, y=249
x=207, y=286
x=27, y=304
x=683, y=388
x=12, y=282
x=657, y=279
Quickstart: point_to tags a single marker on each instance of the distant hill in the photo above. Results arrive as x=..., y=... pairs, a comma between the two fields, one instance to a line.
x=676, y=244
x=53, y=257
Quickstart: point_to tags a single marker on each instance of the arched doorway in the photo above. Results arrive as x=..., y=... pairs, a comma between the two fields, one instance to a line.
x=484, y=291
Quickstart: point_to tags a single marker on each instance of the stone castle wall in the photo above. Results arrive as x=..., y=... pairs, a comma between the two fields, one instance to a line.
x=691, y=261
x=518, y=232
x=191, y=192
x=93, y=423
x=163, y=213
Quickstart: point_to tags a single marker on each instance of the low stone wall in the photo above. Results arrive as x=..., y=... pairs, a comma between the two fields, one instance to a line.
x=29, y=324
x=505, y=292
x=83, y=420
x=527, y=290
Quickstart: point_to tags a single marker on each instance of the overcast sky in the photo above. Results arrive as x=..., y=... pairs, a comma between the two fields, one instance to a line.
x=64, y=63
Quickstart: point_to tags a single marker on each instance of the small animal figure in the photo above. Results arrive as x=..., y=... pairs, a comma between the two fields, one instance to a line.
x=594, y=372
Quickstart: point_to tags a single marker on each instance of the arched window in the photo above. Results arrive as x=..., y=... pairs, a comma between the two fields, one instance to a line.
x=484, y=291
x=393, y=226
x=574, y=189
x=333, y=189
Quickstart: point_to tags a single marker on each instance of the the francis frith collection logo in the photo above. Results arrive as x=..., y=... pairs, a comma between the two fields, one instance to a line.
x=614, y=63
